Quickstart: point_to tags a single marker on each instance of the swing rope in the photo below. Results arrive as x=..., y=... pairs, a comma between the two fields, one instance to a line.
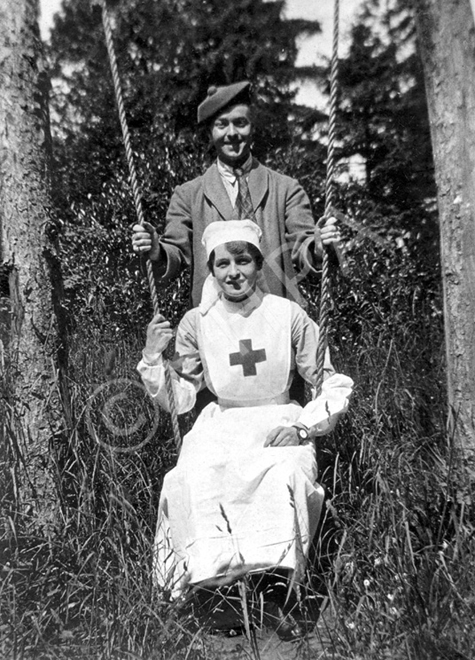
x=329, y=203
x=324, y=315
x=137, y=195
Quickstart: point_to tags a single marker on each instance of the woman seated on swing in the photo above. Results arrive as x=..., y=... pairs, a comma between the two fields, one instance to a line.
x=243, y=498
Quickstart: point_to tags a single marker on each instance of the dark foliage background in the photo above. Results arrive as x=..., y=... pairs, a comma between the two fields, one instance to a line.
x=168, y=55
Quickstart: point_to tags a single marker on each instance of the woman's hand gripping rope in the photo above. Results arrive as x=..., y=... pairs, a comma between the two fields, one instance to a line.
x=159, y=334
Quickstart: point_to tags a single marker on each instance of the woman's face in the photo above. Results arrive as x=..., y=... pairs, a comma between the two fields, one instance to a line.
x=236, y=274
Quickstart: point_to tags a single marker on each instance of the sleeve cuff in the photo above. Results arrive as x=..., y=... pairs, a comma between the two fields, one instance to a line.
x=332, y=402
x=152, y=360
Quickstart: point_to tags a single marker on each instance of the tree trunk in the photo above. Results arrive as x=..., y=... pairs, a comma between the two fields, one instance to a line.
x=31, y=417
x=447, y=37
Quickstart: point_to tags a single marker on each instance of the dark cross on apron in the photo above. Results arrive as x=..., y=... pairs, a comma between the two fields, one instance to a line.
x=247, y=357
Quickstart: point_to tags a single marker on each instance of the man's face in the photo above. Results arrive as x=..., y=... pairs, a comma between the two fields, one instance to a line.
x=231, y=132
x=236, y=274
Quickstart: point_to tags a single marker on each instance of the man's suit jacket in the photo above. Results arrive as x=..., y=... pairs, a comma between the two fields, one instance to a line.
x=282, y=211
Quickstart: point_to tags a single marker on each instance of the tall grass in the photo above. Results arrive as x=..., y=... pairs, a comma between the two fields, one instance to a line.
x=399, y=527
x=87, y=592
x=395, y=556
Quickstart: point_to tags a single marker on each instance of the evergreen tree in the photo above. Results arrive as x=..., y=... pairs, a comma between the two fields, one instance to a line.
x=383, y=118
x=383, y=109
x=393, y=291
x=169, y=53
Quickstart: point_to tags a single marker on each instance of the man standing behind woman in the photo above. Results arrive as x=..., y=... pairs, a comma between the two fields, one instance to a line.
x=235, y=187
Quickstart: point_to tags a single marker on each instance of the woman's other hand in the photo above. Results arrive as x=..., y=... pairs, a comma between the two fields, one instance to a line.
x=282, y=436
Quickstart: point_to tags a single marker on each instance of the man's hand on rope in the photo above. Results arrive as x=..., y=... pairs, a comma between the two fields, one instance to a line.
x=329, y=231
x=159, y=333
x=282, y=436
x=145, y=241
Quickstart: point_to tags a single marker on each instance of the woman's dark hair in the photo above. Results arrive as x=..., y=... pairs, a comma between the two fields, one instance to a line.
x=239, y=247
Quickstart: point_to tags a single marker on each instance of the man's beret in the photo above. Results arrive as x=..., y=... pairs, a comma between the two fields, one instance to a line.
x=219, y=97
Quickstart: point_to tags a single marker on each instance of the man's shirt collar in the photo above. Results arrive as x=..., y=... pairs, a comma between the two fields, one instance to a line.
x=227, y=172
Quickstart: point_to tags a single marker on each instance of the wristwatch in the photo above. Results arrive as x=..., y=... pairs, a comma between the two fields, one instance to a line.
x=302, y=432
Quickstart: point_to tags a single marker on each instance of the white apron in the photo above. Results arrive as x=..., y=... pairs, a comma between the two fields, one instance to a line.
x=231, y=505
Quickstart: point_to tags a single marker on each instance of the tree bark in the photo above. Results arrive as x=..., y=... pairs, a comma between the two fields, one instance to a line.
x=32, y=410
x=447, y=36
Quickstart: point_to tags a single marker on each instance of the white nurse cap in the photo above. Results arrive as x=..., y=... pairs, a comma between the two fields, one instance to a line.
x=226, y=231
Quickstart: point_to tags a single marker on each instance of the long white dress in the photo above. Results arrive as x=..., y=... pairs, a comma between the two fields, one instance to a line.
x=231, y=505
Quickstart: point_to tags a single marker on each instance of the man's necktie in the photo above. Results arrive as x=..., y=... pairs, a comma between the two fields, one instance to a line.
x=243, y=208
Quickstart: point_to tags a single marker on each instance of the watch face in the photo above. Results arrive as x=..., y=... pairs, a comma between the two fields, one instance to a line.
x=303, y=435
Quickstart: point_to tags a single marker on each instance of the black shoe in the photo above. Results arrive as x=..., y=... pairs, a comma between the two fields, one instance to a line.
x=284, y=624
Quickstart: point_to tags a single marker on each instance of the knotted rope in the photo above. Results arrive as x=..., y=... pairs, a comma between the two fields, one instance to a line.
x=137, y=195
x=323, y=320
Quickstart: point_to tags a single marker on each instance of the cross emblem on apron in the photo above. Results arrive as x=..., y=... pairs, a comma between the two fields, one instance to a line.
x=247, y=357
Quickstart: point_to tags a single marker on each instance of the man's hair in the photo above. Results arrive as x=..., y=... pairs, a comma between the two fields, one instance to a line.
x=236, y=248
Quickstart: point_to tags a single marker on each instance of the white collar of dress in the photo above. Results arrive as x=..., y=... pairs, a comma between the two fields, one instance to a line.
x=246, y=305
x=211, y=294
